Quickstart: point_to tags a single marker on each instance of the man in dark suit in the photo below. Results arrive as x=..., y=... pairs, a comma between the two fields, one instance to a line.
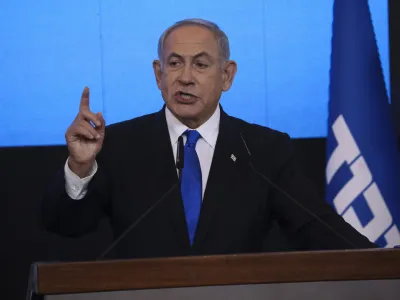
x=221, y=205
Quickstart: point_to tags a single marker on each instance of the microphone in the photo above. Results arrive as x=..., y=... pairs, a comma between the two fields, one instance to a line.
x=180, y=157
x=179, y=165
x=298, y=203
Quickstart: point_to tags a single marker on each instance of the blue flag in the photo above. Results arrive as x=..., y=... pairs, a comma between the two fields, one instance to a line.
x=363, y=161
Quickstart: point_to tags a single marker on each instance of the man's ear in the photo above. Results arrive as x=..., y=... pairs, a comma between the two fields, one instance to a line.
x=229, y=72
x=157, y=72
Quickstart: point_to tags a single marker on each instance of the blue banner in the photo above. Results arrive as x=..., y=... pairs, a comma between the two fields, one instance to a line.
x=363, y=163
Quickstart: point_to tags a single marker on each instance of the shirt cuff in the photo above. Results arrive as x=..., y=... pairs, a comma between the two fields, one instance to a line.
x=75, y=186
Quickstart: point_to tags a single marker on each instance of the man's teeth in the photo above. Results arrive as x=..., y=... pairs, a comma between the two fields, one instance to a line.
x=186, y=96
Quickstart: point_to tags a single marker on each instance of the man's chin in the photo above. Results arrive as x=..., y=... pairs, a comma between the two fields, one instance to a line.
x=186, y=114
x=186, y=110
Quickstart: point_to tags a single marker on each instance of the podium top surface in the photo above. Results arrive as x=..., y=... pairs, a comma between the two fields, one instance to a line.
x=114, y=275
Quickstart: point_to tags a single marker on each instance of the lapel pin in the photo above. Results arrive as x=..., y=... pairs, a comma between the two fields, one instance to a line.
x=233, y=157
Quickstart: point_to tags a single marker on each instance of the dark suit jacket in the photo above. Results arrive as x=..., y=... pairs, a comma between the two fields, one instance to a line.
x=136, y=167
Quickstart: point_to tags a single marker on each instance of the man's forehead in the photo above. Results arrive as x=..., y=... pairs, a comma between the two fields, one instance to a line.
x=191, y=37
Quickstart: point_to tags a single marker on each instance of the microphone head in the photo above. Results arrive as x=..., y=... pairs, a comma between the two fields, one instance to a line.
x=179, y=154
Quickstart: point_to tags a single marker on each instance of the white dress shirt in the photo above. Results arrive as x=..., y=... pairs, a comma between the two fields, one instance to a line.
x=76, y=187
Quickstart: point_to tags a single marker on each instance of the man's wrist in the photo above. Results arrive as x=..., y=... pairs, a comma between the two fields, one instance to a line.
x=82, y=170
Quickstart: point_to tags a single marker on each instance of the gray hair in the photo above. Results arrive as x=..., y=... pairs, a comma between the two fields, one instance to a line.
x=220, y=36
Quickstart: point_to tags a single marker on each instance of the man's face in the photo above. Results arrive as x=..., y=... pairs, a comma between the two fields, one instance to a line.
x=191, y=76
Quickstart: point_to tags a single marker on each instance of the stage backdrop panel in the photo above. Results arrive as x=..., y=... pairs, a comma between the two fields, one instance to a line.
x=50, y=50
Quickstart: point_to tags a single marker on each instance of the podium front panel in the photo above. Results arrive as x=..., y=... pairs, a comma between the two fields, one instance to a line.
x=327, y=290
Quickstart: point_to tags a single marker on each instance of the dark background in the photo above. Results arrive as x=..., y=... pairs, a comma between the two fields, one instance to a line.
x=394, y=36
x=25, y=171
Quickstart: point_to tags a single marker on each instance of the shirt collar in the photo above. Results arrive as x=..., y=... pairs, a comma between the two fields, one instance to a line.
x=208, y=130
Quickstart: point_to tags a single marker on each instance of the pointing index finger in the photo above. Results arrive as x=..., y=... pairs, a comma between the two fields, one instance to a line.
x=84, y=99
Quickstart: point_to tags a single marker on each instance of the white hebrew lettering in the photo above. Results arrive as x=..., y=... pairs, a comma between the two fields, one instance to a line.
x=361, y=179
x=381, y=220
x=348, y=152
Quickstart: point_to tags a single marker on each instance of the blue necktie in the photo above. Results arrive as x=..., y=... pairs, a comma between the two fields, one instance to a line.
x=191, y=183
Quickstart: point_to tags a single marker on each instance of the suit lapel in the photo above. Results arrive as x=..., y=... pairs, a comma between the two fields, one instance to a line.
x=166, y=176
x=222, y=180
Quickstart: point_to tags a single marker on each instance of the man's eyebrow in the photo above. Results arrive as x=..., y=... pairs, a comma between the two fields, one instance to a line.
x=203, y=53
x=200, y=54
x=174, y=54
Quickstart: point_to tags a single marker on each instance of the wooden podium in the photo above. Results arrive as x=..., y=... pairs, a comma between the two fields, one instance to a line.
x=350, y=274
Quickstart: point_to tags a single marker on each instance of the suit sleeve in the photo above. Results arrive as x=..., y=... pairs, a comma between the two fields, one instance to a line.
x=312, y=224
x=65, y=216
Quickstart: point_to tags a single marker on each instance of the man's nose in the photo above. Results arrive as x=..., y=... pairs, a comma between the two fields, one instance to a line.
x=186, y=76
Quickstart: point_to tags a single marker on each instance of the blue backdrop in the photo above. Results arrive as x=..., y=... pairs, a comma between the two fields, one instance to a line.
x=51, y=49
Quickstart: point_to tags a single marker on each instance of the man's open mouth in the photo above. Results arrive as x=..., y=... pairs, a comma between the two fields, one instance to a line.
x=186, y=97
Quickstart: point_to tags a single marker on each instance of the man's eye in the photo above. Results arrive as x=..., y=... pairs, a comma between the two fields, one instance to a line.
x=173, y=64
x=201, y=65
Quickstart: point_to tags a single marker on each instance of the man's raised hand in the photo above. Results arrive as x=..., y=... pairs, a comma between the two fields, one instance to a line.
x=84, y=137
